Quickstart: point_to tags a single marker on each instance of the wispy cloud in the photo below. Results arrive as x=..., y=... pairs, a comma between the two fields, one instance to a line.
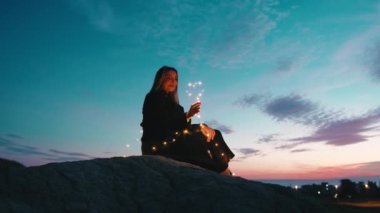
x=252, y=100
x=249, y=151
x=77, y=154
x=348, y=170
x=344, y=132
x=370, y=167
x=99, y=13
x=291, y=55
x=223, y=34
x=324, y=172
x=360, y=54
x=288, y=145
x=373, y=61
x=332, y=129
x=292, y=107
x=15, y=136
x=286, y=64
x=14, y=147
x=246, y=153
x=5, y=142
x=268, y=138
x=289, y=107
x=300, y=150
x=223, y=128
x=244, y=32
x=63, y=159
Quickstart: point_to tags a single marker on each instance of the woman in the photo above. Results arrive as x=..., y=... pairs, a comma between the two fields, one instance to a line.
x=167, y=128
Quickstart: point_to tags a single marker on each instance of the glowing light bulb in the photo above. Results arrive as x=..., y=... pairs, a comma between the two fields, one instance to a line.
x=154, y=148
x=165, y=143
x=209, y=153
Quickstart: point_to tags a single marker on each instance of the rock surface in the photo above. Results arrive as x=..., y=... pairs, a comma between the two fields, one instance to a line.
x=140, y=184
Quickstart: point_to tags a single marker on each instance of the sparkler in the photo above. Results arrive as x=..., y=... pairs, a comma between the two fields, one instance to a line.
x=195, y=92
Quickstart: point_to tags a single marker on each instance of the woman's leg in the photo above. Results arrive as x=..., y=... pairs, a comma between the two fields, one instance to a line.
x=220, y=153
x=219, y=148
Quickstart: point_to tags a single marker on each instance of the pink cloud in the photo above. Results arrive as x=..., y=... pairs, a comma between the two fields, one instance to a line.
x=327, y=172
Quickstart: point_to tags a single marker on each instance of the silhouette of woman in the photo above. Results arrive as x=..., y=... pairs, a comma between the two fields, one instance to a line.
x=167, y=128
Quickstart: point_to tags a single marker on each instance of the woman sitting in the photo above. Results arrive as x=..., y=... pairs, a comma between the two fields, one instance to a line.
x=167, y=128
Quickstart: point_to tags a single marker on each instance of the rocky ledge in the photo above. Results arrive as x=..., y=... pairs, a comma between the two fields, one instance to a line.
x=139, y=184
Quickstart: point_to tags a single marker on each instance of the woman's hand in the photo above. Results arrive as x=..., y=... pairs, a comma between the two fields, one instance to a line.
x=208, y=132
x=194, y=109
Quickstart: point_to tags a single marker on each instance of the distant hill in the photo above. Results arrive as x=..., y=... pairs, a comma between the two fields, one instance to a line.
x=139, y=184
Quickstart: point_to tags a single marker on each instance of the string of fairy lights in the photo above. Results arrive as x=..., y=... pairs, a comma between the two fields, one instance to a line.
x=164, y=144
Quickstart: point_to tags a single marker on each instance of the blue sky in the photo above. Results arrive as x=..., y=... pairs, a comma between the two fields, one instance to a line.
x=294, y=85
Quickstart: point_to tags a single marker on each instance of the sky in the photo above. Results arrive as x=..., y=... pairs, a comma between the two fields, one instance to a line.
x=293, y=85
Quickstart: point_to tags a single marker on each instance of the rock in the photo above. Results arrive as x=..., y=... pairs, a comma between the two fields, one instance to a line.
x=140, y=184
x=6, y=165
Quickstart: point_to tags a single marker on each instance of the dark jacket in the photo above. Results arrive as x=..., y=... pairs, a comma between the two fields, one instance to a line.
x=162, y=117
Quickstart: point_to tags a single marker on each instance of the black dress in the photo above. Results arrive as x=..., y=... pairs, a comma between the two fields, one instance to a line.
x=166, y=132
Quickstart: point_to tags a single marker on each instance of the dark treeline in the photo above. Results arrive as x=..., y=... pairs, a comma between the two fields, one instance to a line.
x=347, y=190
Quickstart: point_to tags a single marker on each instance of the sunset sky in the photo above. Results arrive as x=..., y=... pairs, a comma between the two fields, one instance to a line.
x=293, y=85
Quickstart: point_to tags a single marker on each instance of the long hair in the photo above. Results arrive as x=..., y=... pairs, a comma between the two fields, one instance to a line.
x=159, y=80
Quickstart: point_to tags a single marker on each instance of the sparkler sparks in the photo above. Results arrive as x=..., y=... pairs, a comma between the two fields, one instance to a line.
x=195, y=92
